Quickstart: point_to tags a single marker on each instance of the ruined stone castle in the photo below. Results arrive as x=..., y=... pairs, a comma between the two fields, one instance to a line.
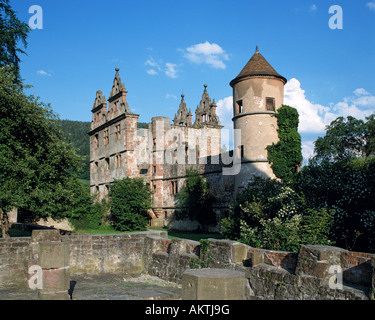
x=161, y=153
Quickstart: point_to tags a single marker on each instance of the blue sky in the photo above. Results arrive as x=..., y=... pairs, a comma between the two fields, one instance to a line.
x=165, y=48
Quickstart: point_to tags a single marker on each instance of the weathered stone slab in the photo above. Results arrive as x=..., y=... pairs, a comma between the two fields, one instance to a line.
x=54, y=254
x=56, y=280
x=213, y=284
x=314, y=260
x=45, y=235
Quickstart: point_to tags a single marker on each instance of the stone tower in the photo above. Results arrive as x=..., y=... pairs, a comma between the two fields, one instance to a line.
x=258, y=92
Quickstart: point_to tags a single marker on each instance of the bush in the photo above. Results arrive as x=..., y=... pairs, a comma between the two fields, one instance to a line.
x=85, y=212
x=130, y=200
x=348, y=187
x=195, y=200
x=271, y=215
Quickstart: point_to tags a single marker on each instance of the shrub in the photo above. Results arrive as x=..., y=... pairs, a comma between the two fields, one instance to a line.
x=348, y=188
x=195, y=199
x=271, y=215
x=130, y=200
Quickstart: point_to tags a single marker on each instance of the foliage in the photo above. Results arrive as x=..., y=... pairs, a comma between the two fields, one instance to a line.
x=130, y=200
x=85, y=212
x=205, y=255
x=370, y=137
x=348, y=187
x=344, y=139
x=195, y=199
x=76, y=133
x=12, y=32
x=36, y=162
x=285, y=156
x=270, y=214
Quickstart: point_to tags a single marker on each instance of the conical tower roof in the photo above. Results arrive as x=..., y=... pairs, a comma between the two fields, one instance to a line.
x=257, y=66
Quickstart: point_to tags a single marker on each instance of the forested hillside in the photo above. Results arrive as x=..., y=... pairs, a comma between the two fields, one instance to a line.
x=76, y=132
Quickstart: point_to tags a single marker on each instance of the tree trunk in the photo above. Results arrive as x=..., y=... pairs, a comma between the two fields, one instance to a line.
x=4, y=224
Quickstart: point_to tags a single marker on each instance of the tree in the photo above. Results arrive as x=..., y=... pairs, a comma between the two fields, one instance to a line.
x=196, y=200
x=285, y=156
x=370, y=138
x=130, y=200
x=12, y=31
x=347, y=187
x=344, y=139
x=36, y=163
x=270, y=214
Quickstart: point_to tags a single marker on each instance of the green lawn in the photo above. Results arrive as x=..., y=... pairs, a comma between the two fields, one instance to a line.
x=191, y=235
x=172, y=234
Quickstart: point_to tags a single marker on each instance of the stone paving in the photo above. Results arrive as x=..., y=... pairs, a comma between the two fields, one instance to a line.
x=107, y=287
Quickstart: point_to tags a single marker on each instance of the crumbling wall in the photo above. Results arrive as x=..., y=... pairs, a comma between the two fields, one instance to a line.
x=315, y=272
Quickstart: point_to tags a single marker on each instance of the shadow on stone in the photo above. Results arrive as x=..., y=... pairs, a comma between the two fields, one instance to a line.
x=71, y=289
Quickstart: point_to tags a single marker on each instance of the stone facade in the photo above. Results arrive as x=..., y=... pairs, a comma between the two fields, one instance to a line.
x=161, y=153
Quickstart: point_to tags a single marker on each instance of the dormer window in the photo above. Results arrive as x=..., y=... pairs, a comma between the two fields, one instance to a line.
x=270, y=104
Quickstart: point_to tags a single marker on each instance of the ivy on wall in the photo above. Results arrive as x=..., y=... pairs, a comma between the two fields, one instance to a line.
x=285, y=156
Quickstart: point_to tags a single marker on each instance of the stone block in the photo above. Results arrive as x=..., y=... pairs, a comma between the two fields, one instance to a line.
x=239, y=252
x=54, y=254
x=316, y=260
x=213, y=284
x=254, y=258
x=45, y=235
x=56, y=280
x=63, y=295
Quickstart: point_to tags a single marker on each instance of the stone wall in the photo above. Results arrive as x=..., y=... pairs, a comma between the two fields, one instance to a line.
x=111, y=253
x=271, y=274
x=14, y=253
x=308, y=274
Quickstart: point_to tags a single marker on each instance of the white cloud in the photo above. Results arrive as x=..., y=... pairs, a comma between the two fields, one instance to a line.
x=207, y=53
x=170, y=96
x=170, y=70
x=44, y=73
x=151, y=62
x=313, y=7
x=307, y=150
x=225, y=111
x=360, y=92
x=371, y=5
x=151, y=72
x=314, y=117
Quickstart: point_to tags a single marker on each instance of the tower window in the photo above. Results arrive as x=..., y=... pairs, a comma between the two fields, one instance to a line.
x=239, y=106
x=106, y=163
x=270, y=104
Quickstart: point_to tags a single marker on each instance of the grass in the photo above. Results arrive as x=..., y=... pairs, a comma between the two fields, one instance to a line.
x=172, y=234
x=190, y=235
